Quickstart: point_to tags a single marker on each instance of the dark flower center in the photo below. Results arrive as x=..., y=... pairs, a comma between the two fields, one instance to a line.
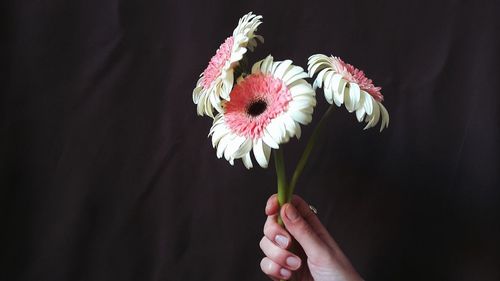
x=256, y=108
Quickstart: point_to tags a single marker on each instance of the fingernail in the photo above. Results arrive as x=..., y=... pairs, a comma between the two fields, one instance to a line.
x=281, y=240
x=291, y=213
x=285, y=272
x=293, y=262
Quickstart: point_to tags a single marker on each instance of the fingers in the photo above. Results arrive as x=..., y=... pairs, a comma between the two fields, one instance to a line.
x=298, y=226
x=313, y=220
x=272, y=206
x=274, y=270
x=278, y=255
x=305, y=226
x=278, y=263
x=274, y=232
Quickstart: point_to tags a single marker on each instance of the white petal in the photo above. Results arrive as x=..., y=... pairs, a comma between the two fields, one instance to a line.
x=354, y=94
x=233, y=146
x=247, y=161
x=266, y=64
x=237, y=55
x=360, y=113
x=339, y=93
x=269, y=140
x=300, y=104
x=298, y=131
x=289, y=125
x=376, y=114
x=337, y=101
x=295, y=70
x=256, y=66
x=308, y=110
x=200, y=108
x=328, y=79
x=348, y=99
x=319, y=79
x=368, y=103
x=223, y=144
x=244, y=148
x=197, y=91
x=301, y=89
x=301, y=117
x=335, y=82
x=374, y=117
x=275, y=131
x=385, y=117
x=311, y=100
x=267, y=151
x=316, y=63
x=218, y=133
x=328, y=94
x=258, y=152
x=280, y=124
x=361, y=103
x=280, y=70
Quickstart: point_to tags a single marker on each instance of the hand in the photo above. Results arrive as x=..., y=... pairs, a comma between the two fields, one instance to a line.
x=316, y=256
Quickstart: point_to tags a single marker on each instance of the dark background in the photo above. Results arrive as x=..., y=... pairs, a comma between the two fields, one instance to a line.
x=106, y=171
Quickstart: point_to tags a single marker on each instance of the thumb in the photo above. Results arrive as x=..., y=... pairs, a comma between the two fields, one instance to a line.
x=303, y=232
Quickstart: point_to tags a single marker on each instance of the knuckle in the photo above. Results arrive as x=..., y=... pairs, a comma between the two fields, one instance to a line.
x=271, y=231
x=309, y=215
x=265, y=231
x=303, y=227
x=268, y=228
x=279, y=256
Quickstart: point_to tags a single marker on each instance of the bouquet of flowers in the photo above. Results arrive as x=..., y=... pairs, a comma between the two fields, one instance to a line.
x=260, y=108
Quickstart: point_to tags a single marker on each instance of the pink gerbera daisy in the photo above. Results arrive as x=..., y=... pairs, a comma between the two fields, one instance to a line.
x=264, y=111
x=343, y=83
x=216, y=81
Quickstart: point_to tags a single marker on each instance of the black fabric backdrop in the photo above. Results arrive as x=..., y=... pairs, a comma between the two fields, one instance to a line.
x=107, y=173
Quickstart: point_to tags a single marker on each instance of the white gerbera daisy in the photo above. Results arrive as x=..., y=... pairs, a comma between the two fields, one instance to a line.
x=216, y=81
x=265, y=110
x=343, y=83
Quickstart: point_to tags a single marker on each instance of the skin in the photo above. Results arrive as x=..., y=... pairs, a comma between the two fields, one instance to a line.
x=312, y=254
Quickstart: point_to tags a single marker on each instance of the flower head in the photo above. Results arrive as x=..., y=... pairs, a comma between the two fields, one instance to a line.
x=343, y=83
x=216, y=81
x=264, y=111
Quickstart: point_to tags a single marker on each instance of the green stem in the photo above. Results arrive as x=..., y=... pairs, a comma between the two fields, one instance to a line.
x=283, y=192
x=307, y=151
x=283, y=198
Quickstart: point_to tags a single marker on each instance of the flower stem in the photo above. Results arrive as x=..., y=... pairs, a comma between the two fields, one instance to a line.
x=283, y=191
x=307, y=151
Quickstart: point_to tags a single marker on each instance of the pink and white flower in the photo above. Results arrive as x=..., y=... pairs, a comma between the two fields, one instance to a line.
x=264, y=110
x=216, y=81
x=343, y=83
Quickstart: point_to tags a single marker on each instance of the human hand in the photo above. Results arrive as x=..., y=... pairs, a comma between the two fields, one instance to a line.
x=316, y=256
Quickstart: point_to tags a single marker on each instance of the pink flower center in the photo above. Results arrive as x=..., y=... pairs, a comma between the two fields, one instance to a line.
x=254, y=102
x=217, y=62
x=352, y=74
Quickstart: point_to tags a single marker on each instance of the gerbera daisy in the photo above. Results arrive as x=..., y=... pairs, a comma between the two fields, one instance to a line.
x=265, y=110
x=216, y=81
x=343, y=83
